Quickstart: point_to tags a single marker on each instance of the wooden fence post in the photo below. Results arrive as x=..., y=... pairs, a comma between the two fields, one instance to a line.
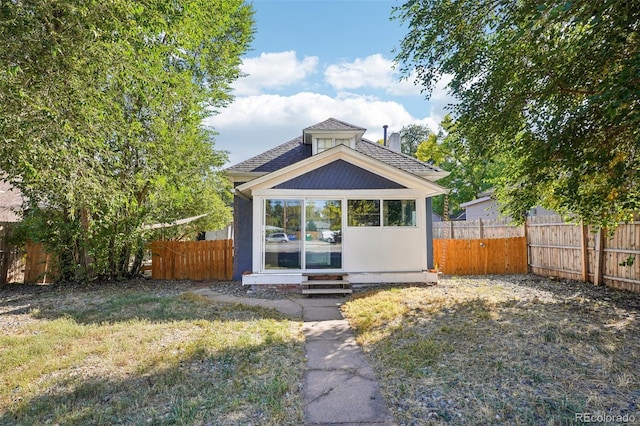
x=585, y=254
x=599, y=262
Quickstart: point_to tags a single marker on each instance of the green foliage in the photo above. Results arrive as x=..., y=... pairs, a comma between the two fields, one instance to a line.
x=101, y=109
x=412, y=136
x=469, y=174
x=551, y=90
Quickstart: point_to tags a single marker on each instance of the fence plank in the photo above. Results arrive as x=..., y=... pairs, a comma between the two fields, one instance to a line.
x=192, y=260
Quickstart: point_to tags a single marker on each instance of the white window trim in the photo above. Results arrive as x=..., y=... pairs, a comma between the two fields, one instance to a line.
x=382, y=212
x=349, y=141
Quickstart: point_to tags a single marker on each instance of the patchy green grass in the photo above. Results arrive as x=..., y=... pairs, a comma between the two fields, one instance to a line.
x=135, y=357
x=501, y=350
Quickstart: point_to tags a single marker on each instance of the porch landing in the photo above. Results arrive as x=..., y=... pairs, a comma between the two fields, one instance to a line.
x=299, y=279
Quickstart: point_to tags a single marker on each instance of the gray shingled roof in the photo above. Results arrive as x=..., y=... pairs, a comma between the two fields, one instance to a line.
x=295, y=150
x=333, y=124
x=10, y=203
x=276, y=158
x=394, y=158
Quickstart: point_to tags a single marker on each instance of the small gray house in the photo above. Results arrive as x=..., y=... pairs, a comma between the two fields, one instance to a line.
x=485, y=207
x=331, y=202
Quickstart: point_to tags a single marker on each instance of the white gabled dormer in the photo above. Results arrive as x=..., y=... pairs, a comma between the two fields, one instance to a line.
x=330, y=133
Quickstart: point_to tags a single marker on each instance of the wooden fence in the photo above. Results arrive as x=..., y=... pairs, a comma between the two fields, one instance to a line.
x=172, y=260
x=548, y=245
x=10, y=256
x=26, y=264
x=192, y=260
x=477, y=229
x=567, y=250
x=481, y=256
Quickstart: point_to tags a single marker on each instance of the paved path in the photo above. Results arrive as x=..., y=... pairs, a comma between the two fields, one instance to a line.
x=339, y=386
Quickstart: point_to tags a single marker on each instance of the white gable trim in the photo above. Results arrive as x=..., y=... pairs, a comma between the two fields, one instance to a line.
x=341, y=152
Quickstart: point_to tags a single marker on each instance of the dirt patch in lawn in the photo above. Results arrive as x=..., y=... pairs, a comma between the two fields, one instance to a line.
x=503, y=350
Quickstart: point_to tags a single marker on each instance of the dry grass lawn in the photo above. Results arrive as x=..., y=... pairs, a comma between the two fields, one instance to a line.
x=518, y=350
x=148, y=353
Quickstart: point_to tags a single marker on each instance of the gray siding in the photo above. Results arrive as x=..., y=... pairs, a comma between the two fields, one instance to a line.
x=339, y=174
x=243, y=232
x=484, y=210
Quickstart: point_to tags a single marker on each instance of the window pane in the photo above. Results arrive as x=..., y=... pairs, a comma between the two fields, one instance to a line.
x=282, y=234
x=363, y=213
x=399, y=212
x=324, y=144
x=323, y=235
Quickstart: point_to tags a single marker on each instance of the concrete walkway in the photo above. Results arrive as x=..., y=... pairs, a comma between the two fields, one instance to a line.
x=339, y=386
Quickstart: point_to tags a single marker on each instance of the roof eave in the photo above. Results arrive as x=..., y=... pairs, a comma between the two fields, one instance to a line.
x=434, y=175
x=242, y=177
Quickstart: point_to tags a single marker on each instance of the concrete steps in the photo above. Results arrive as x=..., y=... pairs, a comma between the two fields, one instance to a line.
x=326, y=284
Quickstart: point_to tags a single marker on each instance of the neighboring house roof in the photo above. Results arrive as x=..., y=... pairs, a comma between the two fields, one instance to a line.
x=174, y=223
x=10, y=203
x=295, y=150
x=476, y=201
x=460, y=216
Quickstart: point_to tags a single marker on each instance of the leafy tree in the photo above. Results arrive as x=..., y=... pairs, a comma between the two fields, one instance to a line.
x=101, y=109
x=469, y=174
x=411, y=136
x=550, y=89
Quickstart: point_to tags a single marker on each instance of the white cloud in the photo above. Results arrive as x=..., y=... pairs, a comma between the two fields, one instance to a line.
x=374, y=71
x=253, y=124
x=273, y=70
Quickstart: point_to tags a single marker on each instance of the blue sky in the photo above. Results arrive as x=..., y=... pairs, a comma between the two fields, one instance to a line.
x=315, y=59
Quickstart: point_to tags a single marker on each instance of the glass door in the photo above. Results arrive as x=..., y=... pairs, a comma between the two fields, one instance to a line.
x=281, y=234
x=323, y=234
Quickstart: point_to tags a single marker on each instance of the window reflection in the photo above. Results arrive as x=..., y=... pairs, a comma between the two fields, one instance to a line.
x=282, y=234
